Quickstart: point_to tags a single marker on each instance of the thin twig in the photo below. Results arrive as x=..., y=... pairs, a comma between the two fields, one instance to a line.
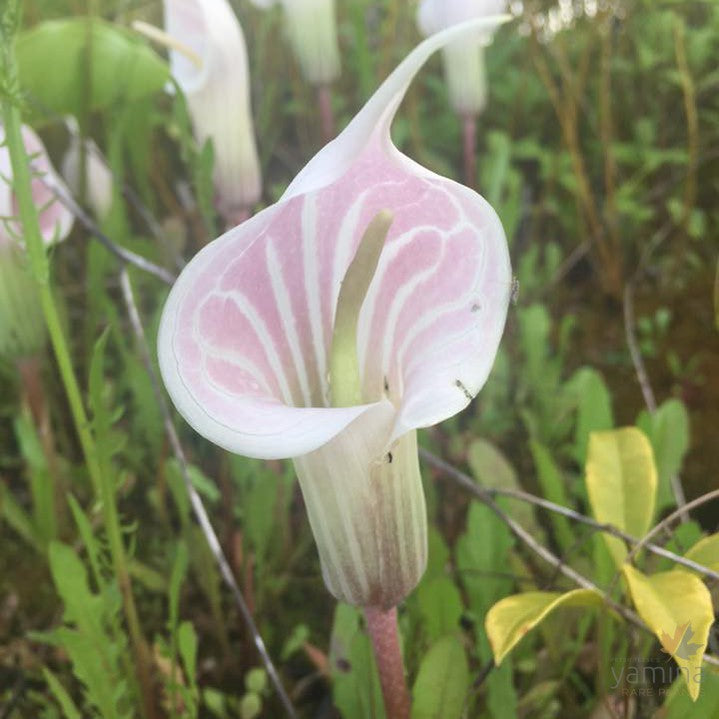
x=484, y=493
x=645, y=384
x=125, y=255
x=667, y=521
x=197, y=505
x=637, y=360
x=539, y=549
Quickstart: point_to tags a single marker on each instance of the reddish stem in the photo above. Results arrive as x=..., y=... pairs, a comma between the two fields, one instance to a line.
x=29, y=369
x=327, y=118
x=236, y=217
x=469, y=144
x=382, y=627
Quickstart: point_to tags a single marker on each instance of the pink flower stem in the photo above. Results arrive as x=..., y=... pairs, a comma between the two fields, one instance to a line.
x=236, y=217
x=469, y=143
x=382, y=627
x=327, y=119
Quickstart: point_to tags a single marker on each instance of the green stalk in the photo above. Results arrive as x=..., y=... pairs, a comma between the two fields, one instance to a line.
x=39, y=268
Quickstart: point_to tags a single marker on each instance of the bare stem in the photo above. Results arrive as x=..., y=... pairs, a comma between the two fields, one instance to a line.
x=382, y=627
x=327, y=118
x=469, y=149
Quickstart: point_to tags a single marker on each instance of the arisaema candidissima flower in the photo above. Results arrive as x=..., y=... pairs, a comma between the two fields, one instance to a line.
x=464, y=68
x=366, y=303
x=208, y=59
x=22, y=328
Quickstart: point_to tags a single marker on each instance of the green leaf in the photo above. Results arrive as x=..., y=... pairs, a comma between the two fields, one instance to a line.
x=92, y=546
x=594, y=408
x=356, y=690
x=69, y=710
x=300, y=634
x=94, y=65
x=552, y=484
x=679, y=705
x=250, y=706
x=17, y=518
x=146, y=575
x=442, y=682
x=484, y=563
x=102, y=687
x=187, y=645
x=440, y=605
x=511, y=618
x=677, y=607
x=706, y=552
x=177, y=576
x=81, y=606
x=482, y=556
x=41, y=480
x=668, y=431
x=621, y=482
x=492, y=469
x=256, y=680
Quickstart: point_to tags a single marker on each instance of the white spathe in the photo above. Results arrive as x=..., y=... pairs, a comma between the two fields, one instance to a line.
x=218, y=95
x=463, y=59
x=246, y=332
x=311, y=27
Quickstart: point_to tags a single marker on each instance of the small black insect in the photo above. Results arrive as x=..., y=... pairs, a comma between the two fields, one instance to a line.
x=389, y=457
x=458, y=383
x=386, y=384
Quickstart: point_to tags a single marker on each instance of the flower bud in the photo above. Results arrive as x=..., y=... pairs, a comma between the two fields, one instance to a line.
x=311, y=27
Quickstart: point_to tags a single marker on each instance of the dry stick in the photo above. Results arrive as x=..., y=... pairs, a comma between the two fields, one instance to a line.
x=690, y=109
x=539, y=549
x=636, y=355
x=125, y=255
x=197, y=505
x=484, y=493
x=646, y=387
x=666, y=523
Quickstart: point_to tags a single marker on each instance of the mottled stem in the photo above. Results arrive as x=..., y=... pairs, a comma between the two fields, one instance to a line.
x=382, y=627
x=469, y=147
x=327, y=118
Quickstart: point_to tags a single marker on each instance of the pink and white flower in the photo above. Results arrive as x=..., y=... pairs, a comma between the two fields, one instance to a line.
x=245, y=337
x=213, y=74
x=22, y=326
x=311, y=27
x=55, y=219
x=464, y=58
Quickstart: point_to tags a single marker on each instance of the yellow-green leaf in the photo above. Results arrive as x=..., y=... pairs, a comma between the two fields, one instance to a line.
x=621, y=481
x=677, y=607
x=512, y=617
x=706, y=552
